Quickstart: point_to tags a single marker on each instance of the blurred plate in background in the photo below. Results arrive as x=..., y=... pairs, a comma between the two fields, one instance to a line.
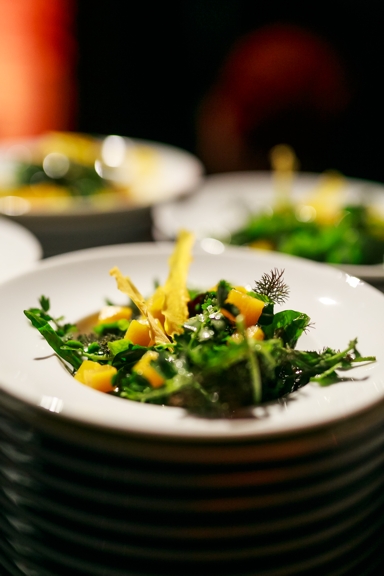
x=19, y=249
x=223, y=203
x=76, y=191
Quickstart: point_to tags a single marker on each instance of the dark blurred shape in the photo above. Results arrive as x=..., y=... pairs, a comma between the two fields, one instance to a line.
x=38, y=53
x=279, y=84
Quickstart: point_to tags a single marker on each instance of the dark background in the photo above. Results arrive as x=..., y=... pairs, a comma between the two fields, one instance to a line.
x=144, y=67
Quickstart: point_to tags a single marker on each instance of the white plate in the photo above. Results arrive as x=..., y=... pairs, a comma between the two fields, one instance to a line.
x=341, y=306
x=223, y=203
x=19, y=249
x=150, y=171
x=69, y=223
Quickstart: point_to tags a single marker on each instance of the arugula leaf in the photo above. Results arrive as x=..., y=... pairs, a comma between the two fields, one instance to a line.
x=288, y=325
x=57, y=343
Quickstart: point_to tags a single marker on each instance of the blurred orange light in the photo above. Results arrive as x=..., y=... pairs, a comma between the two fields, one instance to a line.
x=37, y=66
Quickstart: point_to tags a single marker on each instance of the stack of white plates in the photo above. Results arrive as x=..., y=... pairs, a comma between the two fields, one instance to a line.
x=93, y=484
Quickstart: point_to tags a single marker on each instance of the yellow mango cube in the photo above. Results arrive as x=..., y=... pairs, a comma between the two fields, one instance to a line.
x=250, y=308
x=113, y=314
x=138, y=332
x=96, y=375
x=144, y=368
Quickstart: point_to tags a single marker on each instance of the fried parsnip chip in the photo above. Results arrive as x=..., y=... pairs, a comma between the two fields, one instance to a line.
x=168, y=306
x=126, y=286
x=176, y=294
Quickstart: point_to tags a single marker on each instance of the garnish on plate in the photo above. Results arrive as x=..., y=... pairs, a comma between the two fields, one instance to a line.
x=214, y=352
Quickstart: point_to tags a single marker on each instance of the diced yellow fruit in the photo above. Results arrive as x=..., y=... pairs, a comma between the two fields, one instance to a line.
x=96, y=375
x=100, y=379
x=114, y=313
x=250, y=308
x=86, y=365
x=138, y=332
x=144, y=368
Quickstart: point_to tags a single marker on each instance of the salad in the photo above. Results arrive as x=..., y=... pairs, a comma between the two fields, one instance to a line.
x=355, y=237
x=60, y=168
x=216, y=353
x=322, y=227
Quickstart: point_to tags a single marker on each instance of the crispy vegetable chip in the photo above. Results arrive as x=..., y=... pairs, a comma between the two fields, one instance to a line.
x=168, y=304
x=176, y=294
x=126, y=286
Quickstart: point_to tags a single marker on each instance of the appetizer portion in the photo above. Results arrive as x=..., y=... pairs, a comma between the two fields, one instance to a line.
x=355, y=235
x=60, y=168
x=323, y=226
x=216, y=352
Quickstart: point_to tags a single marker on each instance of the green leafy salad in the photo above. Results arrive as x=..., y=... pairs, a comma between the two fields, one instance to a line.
x=355, y=236
x=215, y=353
x=322, y=227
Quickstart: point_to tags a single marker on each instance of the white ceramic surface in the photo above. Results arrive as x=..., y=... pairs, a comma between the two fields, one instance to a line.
x=19, y=249
x=84, y=222
x=153, y=172
x=223, y=202
x=340, y=306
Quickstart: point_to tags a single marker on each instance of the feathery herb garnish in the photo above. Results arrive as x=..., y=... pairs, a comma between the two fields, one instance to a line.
x=273, y=286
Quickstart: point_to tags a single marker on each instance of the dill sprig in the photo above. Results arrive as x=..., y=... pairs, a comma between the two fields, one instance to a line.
x=273, y=286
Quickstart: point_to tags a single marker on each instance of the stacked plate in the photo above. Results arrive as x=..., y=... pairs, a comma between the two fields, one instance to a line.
x=93, y=484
